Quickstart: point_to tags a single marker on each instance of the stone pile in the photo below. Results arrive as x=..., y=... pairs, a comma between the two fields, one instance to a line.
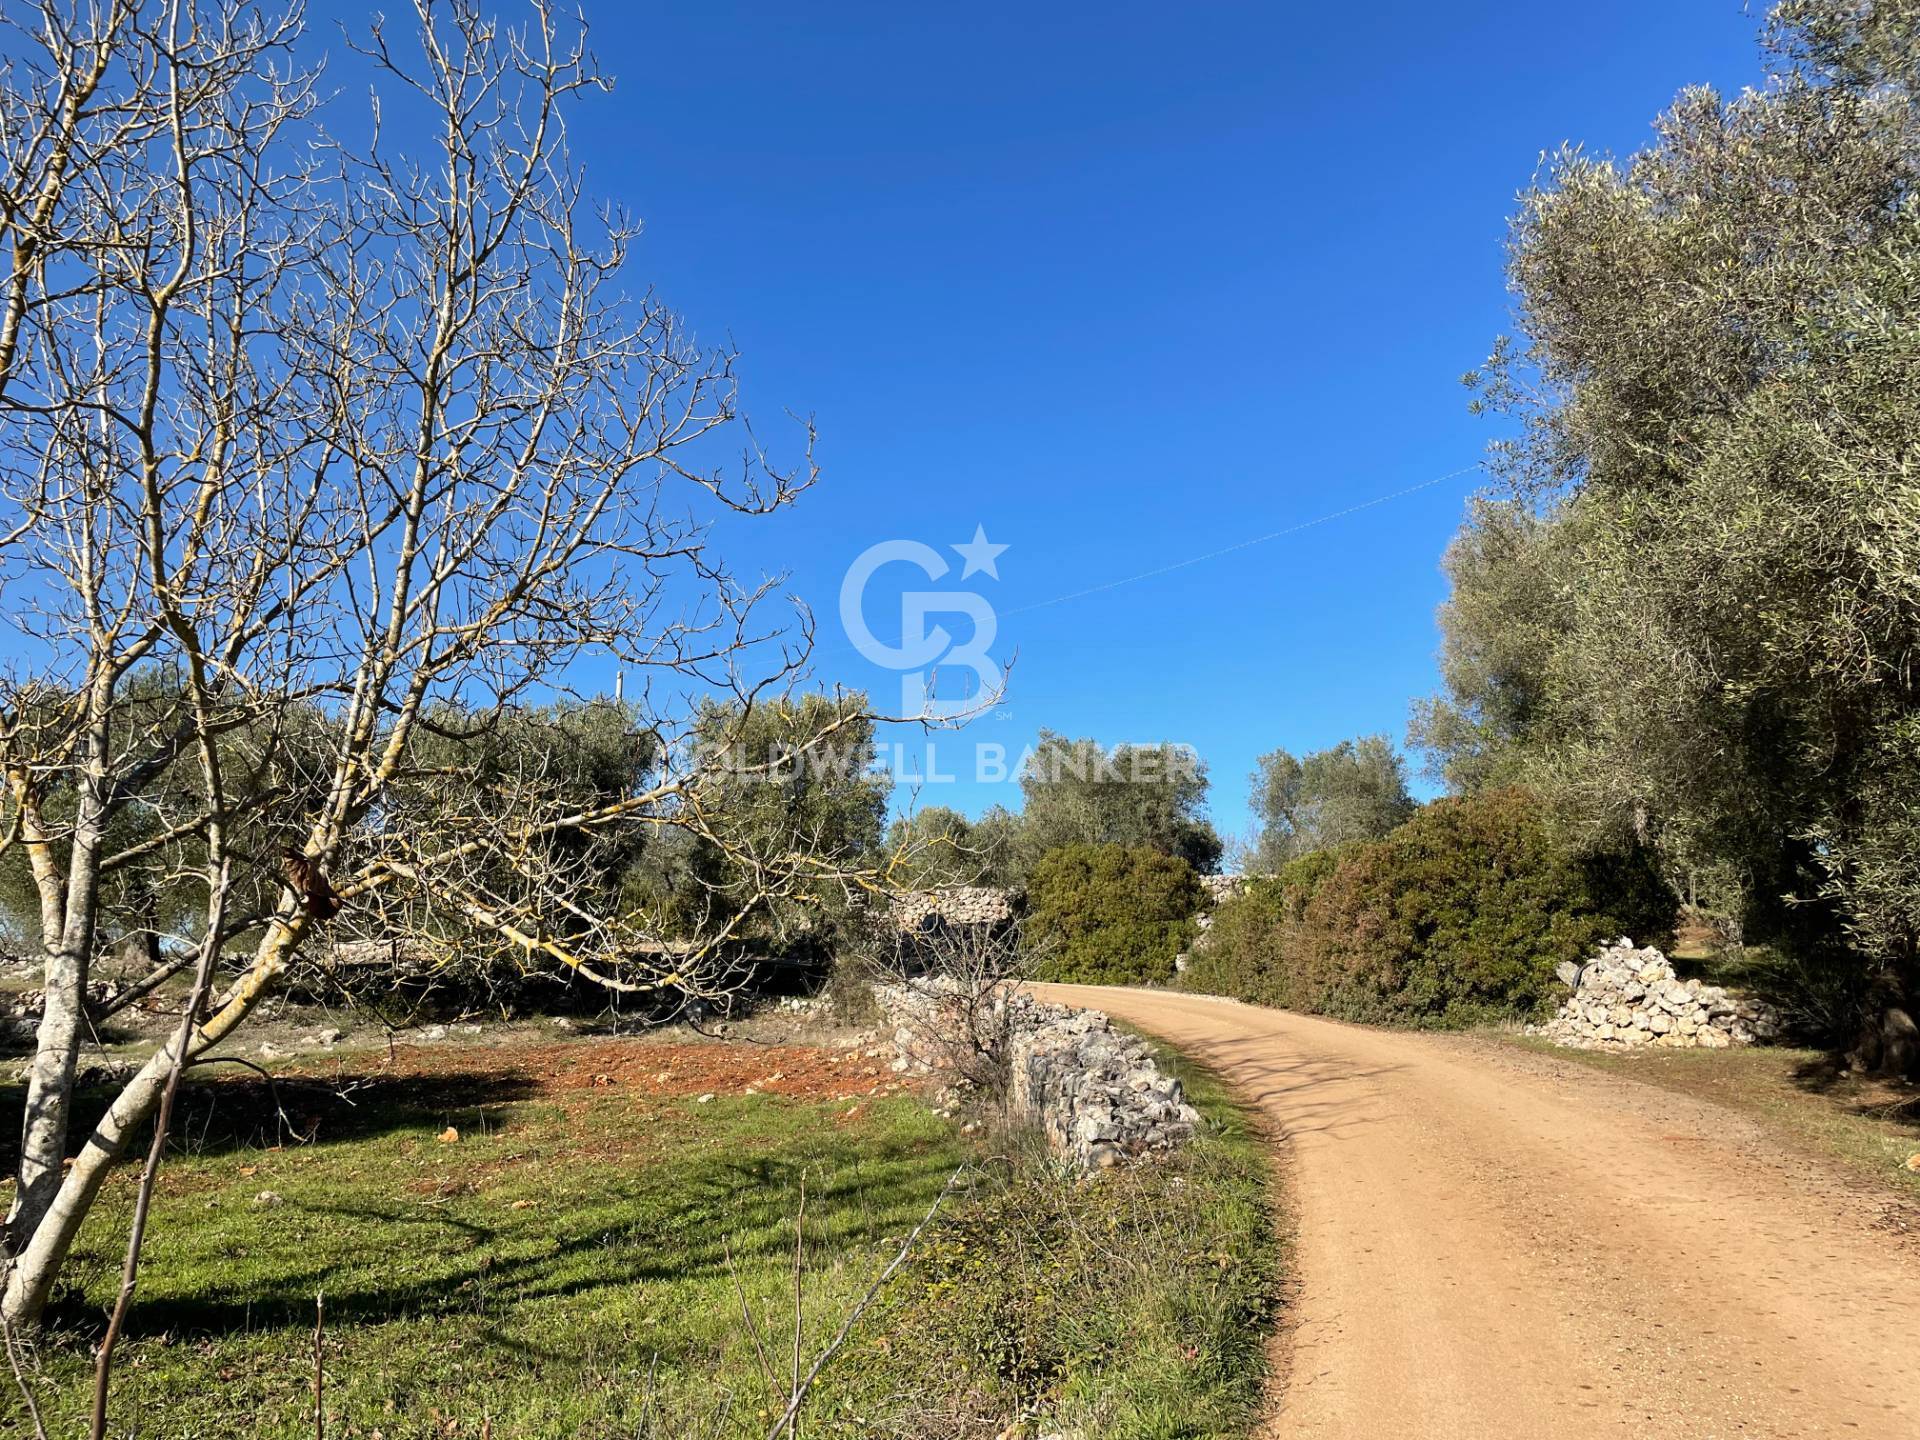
x=930, y=1022
x=1095, y=1093
x=27, y=1006
x=1627, y=997
x=404, y=956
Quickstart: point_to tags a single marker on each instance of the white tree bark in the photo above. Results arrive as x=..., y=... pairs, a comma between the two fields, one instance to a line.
x=300, y=446
x=49, y=1100
x=36, y=1265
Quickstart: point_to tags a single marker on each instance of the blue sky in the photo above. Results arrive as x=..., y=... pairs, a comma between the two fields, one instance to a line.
x=1125, y=284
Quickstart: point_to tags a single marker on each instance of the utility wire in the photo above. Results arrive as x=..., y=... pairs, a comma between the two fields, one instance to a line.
x=1243, y=544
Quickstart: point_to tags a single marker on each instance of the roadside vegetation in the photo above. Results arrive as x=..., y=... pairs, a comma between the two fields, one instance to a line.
x=1138, y=1306
x=1687, y=612
x=1110, y=914
x=538, y=1238
x=1682, y=620
x=1455, y=916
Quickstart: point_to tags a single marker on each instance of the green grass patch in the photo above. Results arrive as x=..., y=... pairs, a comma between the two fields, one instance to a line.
x=568, y=1267
x=560, y=1270
x=1134, y=1305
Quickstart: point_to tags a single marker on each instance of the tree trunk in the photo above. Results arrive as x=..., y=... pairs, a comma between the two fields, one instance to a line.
x=37, y=1263
x=57, y=1037
x=1889, y=1040
x=37, y=1260
x=43, y=1130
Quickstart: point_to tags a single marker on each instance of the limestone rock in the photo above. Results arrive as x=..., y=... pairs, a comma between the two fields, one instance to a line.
x=1222, y=887
x=1627, y=996
x=1096, y=1094
x=954, y=905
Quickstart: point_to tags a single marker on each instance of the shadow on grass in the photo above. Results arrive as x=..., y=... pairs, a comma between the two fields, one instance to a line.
x=384, y=1250
x=675, y=1221
x=1822, y=1075
x=218, y=1115
x=1890, y=1102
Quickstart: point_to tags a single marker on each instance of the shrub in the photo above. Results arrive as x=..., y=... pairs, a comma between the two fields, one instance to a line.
x=1458, y=915
x=1240, y=953
x=1244, y=951
x=851, y=1002
x=1110, y=914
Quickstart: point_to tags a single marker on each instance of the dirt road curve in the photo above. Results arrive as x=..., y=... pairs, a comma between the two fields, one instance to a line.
x=1497, y=1244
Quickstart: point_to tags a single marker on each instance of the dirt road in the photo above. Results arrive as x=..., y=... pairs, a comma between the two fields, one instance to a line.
x=1493, y=1243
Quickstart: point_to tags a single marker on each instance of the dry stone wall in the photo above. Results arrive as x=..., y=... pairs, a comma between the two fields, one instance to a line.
x=1096, y=1093
x=1222, y=887
x=954, y=904
x=1625, y=998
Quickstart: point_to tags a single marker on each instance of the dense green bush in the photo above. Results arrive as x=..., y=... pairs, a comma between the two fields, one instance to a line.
x=1458, y=915
x=1110, y=914
x=1243, y=954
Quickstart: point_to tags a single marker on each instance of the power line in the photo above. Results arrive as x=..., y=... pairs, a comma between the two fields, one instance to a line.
x=1244, y=544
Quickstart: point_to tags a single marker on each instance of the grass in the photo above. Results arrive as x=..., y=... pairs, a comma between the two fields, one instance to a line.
x=533, y=1275
x=1137, y=1306
x=1872, y=1127
x=562, y=1269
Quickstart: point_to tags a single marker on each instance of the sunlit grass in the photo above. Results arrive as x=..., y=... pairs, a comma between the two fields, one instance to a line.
x=558, y=1270
x=568, y=1267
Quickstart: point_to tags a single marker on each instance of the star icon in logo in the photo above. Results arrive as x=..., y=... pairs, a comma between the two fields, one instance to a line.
x=979, y=553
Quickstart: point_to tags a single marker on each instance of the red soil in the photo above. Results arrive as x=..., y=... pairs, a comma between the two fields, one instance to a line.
x=802, y=1072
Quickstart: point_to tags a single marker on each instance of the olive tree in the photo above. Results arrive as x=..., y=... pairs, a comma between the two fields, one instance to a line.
x=1704, y=635
x=1509, y=604
x=1080, y=792
x=1356, y=790
x=936, y=845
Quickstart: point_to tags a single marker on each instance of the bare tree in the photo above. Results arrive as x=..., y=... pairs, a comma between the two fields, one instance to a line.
x=949, y=985
x=307, y=446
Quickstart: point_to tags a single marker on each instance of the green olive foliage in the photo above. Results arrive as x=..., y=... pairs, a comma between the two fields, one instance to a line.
x=1357, y=790
x=1693, y=617
x=937, y=845
x=797, y=766
x=1080, y=792
x=1110, y=914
